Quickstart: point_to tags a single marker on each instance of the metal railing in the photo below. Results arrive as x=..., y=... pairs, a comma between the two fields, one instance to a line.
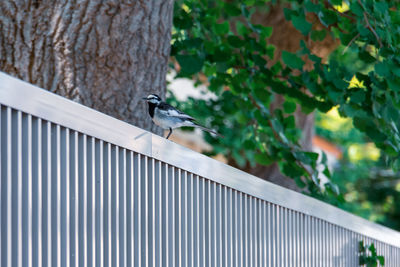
x=79, y=188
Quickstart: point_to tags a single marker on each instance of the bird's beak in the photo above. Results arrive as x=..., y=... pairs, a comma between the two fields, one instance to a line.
x=144, y=98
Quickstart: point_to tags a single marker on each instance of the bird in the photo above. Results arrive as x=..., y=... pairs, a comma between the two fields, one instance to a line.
x=169, y=118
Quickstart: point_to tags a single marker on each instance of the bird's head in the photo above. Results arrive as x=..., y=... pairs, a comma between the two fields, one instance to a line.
x=152, y=98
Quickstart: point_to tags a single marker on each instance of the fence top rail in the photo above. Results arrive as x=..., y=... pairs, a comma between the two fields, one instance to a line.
x=33, y=100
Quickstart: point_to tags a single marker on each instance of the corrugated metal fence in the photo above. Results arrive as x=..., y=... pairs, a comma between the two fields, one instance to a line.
x=79, y=188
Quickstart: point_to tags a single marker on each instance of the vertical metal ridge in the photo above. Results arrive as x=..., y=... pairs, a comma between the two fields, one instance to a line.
x=285, y=233
x=218, y=217
x=183, y=218
x=9, y=189
x=197, y=227
x=229, y=241
x=109, y=212
x=125, y=204
x=30, y=197
x=265, y=235
x=58, y=195
x=85, y=203
x=235, y=213
x=102, y=207
x=158, y=214
x=202, y=234
x=146, y=212
x=151, y=222
x=153, y=213
x=39, y=193
x=207, y=226
x=76, y=200
x=191, y=222
x=67, y=199
x=19, y=189
x=132, y=209
x=240, y=230
x=138, y=211
x=245, y=231
x=49, y=188
x=273, y=237
x=122, y=210
x=270, y=237
x=117, y=206
x=213, y=204
x=164, y=214
x=226, y=226
x=167, y=217
x=178, y=218
x=172, y=204
x=93, y=200
x=292, y=238
x=2, y=160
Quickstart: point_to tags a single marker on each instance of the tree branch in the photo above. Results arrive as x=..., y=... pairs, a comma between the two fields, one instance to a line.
x=369, y=25
x=348, y=45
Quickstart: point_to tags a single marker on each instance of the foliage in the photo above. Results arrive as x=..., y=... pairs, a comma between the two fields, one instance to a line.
x=217, y=43
x=369, y=186
x=371, y=260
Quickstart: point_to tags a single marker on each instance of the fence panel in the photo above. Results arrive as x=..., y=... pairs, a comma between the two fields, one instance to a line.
x=79, y=188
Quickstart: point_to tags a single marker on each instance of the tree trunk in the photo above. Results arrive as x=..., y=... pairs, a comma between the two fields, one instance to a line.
x=104, y=54
x=286, y=37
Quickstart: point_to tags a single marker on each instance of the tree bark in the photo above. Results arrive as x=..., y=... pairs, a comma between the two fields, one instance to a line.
x=104, y=54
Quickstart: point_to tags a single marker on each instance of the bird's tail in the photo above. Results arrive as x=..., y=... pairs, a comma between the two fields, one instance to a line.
x=207, y=130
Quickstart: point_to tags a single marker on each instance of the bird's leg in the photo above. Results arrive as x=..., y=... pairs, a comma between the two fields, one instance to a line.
x=170, y=132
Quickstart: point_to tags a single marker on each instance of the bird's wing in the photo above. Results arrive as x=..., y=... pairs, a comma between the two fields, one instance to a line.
x=169, y=110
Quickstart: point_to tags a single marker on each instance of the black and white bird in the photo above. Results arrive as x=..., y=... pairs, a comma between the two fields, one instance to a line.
x=168, y=117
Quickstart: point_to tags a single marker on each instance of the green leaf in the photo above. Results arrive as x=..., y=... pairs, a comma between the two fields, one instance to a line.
x=381, y=260
x=318, y=35
x=376, y=135
x=266, y=32
x=372, y=249
x=382, y=69
x=260, y=118
x=299, y=182
x=289, y=106
x=358, y=96
x=262, y=94
x=290, y=122
x=241, y=28
x=366, y=57
x=310, y=6
x=221, y=28
x=300, y=23
x=336, y=2
x=308, y=158
x=291, y=169
x=263, y=159
x=327, y=17
x=235, y=41
x=232, y=10
x=271, y=51
x=381, y=7
x=356, y=8
x=190, y=64
x=292, y=60
x=240, y=117
x=361, y=247
x=394, y=84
